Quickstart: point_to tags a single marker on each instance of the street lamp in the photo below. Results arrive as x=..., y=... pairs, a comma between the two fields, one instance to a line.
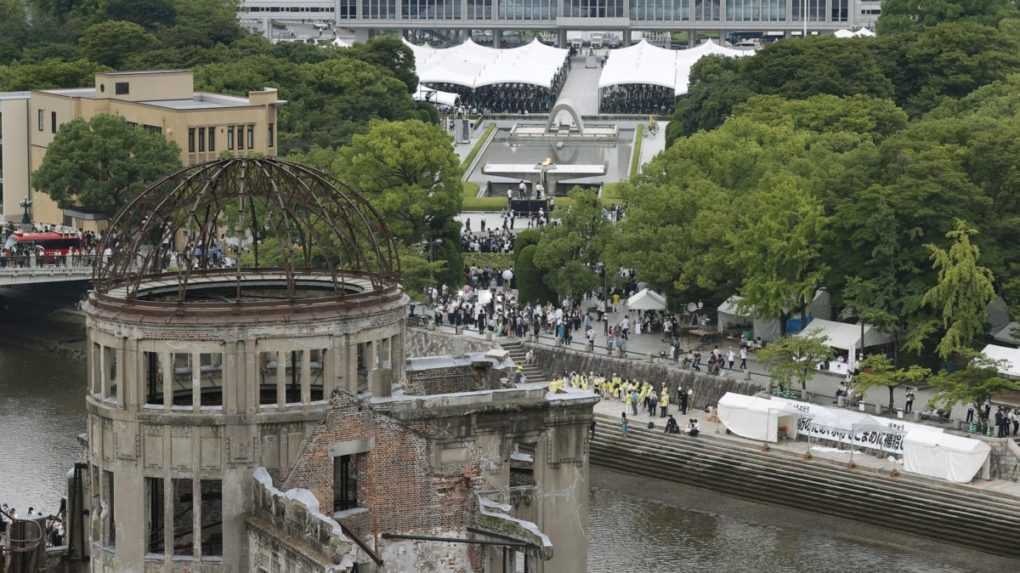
x=26, y=217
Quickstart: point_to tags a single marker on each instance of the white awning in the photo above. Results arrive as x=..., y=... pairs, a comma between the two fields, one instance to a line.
x=1008, y=359
x=844, y=335
x=862, y=33
x=435, y=96
x=646, y=300
x=472, y=66
x=755, y=418
x=646, y=64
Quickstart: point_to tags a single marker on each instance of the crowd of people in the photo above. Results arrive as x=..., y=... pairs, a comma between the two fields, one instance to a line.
x=500, y=240
x=516, y=98
x=53, y=524
x=637, y=99
x=636, y=396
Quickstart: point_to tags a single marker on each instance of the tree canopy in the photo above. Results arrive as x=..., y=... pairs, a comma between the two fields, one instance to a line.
x=100, y=165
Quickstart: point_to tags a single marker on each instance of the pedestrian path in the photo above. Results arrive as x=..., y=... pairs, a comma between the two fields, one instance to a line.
x=582, y=86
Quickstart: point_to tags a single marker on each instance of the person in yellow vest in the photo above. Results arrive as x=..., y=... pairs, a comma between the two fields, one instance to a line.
x=626, y=399
x=664, y=402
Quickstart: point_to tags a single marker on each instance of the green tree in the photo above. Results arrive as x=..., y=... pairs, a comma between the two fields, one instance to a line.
x=14, y=29
x=102, y=164
x=911, y=15
x=777, y=241
x=530, y=285
x=569, y=252
x=877, y=371
x=974, y=383
x=153, y=14
x=48, y=74
x=961, y=295
x=716, y=86
x=794, y=358
x=203, y=23
x=389, y=52
x=110, y=42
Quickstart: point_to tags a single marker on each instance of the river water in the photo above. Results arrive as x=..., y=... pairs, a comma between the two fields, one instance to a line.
x=639, y=525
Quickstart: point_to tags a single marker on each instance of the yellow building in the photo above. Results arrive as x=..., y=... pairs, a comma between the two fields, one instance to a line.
x=203, y=125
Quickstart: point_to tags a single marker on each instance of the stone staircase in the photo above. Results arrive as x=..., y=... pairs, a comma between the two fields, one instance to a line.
x=985, y=520
x=517, y=352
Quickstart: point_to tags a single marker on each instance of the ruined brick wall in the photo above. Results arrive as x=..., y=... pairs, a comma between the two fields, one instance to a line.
x=450, y=380
x=396, y=482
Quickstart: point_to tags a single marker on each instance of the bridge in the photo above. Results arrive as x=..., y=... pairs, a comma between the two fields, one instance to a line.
x=32, y=270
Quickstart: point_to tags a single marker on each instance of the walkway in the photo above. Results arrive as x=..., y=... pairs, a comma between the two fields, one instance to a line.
x=20, y=271
x=582, y=87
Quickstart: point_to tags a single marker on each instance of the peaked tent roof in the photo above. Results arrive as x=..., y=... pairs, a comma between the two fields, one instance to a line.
x=472, y=66
x=646, y=300
x=843, y=335
x=1008, y=359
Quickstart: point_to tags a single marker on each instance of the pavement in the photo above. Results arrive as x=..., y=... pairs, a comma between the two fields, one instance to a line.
x=582, y=87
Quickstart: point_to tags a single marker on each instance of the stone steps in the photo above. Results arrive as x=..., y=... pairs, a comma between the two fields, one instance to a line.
x=979, y=519
x=517, y=351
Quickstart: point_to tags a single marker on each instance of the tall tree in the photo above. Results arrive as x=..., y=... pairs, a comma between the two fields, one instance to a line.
x=14, y=29
x=410, y=173
x=960, y=297
x=569, y=252
x=794, y=358
x=101, y=164
x=777, y=241
x=877, y=371
x=975, y=382
x=911, y=15
x=389, y=52
x=110, y=42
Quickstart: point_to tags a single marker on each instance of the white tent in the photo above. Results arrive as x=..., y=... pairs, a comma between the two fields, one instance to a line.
x=435, y=96
x=756, y=418
x=1005, y=333
x=862, y=33
x=644, y=63
x=646, y=300
x=942, y=455
x=1008, y=359
x=844, y=335
x=768, y=329
x=472, y=66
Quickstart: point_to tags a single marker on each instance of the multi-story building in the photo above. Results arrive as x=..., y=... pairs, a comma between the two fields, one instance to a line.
x=725, y=16
x=203, y=125
x=208, y=385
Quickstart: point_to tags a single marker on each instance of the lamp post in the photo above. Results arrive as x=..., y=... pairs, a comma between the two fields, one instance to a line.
x=803, y=17
x=26, y=205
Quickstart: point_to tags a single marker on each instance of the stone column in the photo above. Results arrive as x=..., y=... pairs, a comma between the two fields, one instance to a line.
x=306, y=376
x=497, y=38
x=626, y=38
x=561, y=38
x=281, y=379
x=352, y=366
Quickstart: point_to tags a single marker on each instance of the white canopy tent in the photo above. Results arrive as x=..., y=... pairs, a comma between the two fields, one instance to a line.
x=768, y=329
x=756, y=418
x=1008, y=359
x=435, y=96
x=938, y=454
x=646, y=300
x=472, y=66
x=644, y=63
x=862, y=33
x=844, y=336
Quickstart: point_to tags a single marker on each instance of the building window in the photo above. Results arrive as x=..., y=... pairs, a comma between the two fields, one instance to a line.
x=109, y=524
x=121, y=88
x=212, y=139
x=317, y=364
x=183, y=512
x=154, y=516
x=295, y=364
x=240, y=138
x=40, y=115
x=53, y=122
x=191, y=140
x=110, y=369
x=183, y=383
x=267, y=377
x=201, y=140
x=345, y=484
x=211, y=379
x=269, y=136
x=153, y=378
x=230, y=138
x=97, y=369
x=212, y=517
x=251, y=137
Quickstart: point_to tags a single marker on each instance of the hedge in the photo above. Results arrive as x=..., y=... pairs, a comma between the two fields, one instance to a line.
x=474, y=203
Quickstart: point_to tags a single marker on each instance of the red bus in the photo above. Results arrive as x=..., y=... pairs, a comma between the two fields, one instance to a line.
x=48, y=244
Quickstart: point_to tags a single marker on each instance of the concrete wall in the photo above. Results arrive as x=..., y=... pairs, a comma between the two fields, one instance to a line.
x=707, y=388
x=423, y=342
x=14, y=162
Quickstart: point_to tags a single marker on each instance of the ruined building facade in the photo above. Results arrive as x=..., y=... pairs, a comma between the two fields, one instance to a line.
x=268, y=420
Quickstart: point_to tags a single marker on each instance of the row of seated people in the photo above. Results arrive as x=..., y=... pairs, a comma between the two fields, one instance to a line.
x=637, y=98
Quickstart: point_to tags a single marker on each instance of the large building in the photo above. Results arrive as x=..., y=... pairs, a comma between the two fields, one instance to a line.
x=203, y=125
x=762, y=16
x=266, y=420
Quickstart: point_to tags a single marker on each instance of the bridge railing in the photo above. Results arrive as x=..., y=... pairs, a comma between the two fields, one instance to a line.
x=17, y=263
